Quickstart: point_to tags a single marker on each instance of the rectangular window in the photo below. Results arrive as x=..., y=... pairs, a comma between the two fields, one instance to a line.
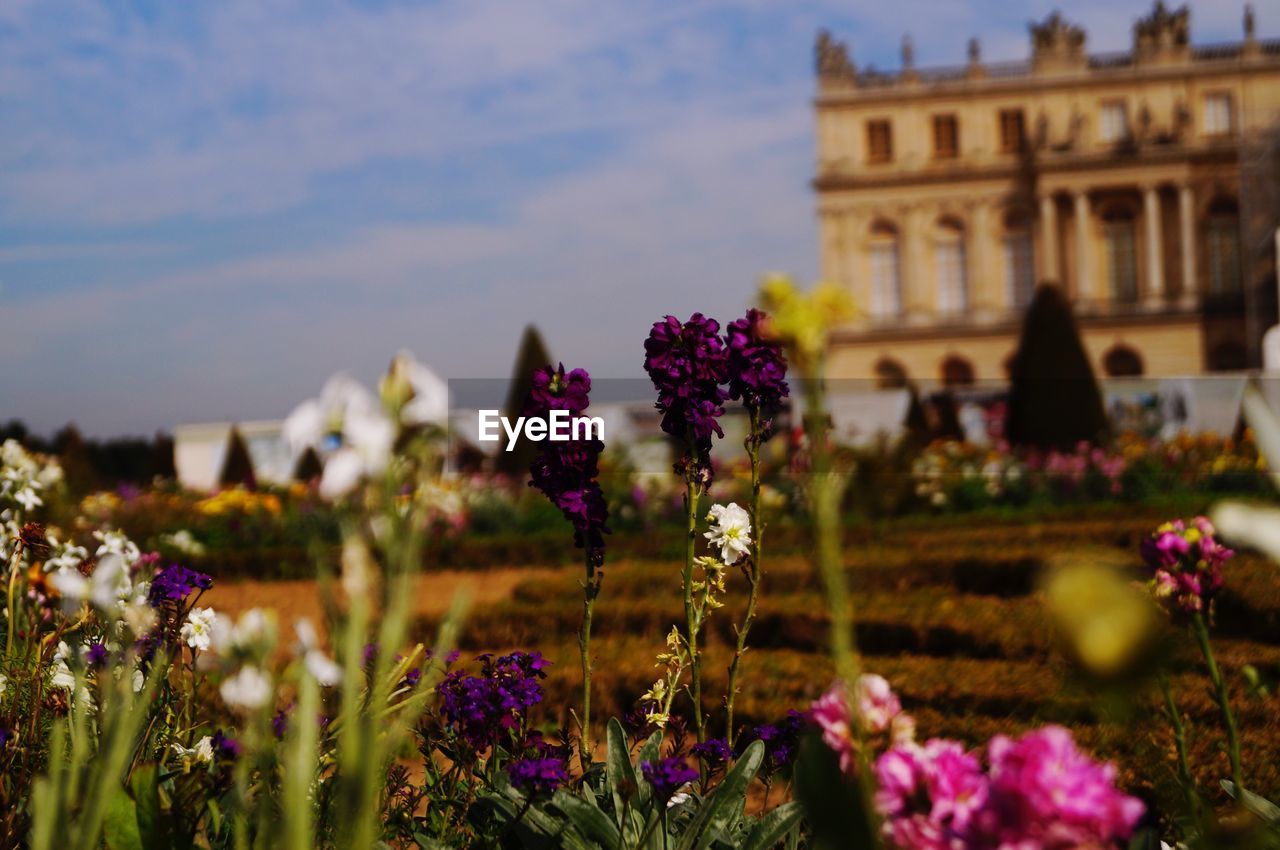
x=952, y=298
x=879, y=141
x=1115, y=121
x=1122, y=260
x=1217, y=114
x=946, y=137
x=1019, y=269
x=1012, y=131
x=886, y=296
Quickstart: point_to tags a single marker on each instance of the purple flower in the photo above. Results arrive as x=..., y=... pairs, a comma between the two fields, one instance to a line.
x=714, y=753
x=174, y=583
x=96, y=656
x=687, y=364
x=757, y=367
x=567, y=472
x=554, y=390
x=537, y=776
x=780, y=740
x=667, y=776
x=226, y=747
x=280, y=723
x=484, y=709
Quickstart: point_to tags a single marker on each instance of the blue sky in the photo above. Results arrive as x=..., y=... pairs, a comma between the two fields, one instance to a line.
x=206, y=208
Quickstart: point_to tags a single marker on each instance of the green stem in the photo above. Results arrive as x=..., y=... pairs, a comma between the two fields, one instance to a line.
x=1180, y=743
x=825, y=489
x=11, y=610
x=690, y=610
x=590, y=590
x=1224, y=702
x=753, y=579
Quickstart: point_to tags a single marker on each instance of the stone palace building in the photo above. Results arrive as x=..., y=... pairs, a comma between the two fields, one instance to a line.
x=1142, y=182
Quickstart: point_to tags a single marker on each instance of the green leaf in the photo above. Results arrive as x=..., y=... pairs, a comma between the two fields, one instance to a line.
x=152, y=824
x=120, y=826
x=1268, y=811
x=620, y=777
x=833, y=804
x=651, y=750
x=587, y=817
x=770, y=829
x=723, y=807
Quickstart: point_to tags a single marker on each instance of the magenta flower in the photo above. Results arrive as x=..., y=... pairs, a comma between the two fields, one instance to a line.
x=932, y=797
x=1046, y=793
x=1186, y=560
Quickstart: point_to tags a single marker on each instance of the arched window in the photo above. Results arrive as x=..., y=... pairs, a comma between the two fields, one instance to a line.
x=956, y=371
x=1121, y=361
x=1118, y=240
x=1222, y=246
x=886, y=276
x=1019, y=262
x=949, y=265
x=890, y=374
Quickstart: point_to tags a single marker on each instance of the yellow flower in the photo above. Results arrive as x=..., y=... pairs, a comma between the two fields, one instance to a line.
x=803, y=320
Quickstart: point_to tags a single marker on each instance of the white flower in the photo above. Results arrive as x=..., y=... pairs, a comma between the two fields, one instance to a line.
x=4, y=684
x=27, y=498
x=63, y=678
x=201, y=753
x=185, y=542
x=348, y=424
x=678, y=799
x=197, y=631
x=139, y=680
x=253, y=633
x=730, y=530
x=427, y=399
x=117, y=543
x=325, y=670
x=247, y=690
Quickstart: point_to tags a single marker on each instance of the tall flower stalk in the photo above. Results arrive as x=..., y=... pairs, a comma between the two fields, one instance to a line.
x=757, y=377
x=566, y=473
x=1187, y=562
x=688, y=365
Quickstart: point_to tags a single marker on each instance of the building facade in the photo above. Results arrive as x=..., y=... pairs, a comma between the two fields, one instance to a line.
x=1135, y=181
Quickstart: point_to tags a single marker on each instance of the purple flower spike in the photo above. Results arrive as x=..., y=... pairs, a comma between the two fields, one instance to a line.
x=566, y=472
x=667, y=776
x=687, y=364
x=757, y=366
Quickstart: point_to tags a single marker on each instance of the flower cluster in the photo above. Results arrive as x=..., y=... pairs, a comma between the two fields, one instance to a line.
x=688, y=363
x=537, y=776
x=175, y=583
x=730, y=531
x=875, y=710
x=484, y=709
x=567, y=472
x=1186, y=559
x=781, y=741
x=1038, y=791
x=757, y=366
x=668, y=776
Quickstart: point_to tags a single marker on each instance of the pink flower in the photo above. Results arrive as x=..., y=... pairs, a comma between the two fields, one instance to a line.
x=1048, y=794
x=931, y=796
x=831, y=713
x=878, y=705
x=1187, y=562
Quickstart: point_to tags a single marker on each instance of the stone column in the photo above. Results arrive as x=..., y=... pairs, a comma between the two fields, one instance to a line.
x=1155, y=247
x=1187, y=226
x=1087, y=295
x=912, y=267
x=982, y=280
x=1048, y=239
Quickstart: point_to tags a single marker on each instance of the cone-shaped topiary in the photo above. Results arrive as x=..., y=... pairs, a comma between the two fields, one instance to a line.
x=531, y=355
x=237, y=468
x=1054, y=400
